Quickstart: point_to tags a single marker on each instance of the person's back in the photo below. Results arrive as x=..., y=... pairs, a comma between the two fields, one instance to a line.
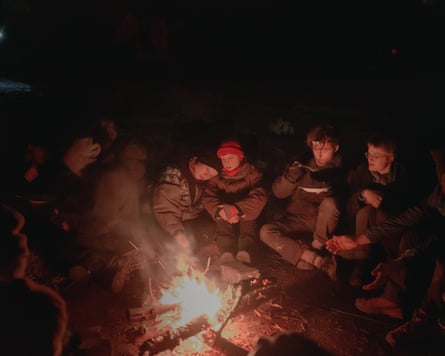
x=34, y=316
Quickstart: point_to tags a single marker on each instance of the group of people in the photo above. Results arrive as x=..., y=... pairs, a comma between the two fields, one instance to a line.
x=107, y=205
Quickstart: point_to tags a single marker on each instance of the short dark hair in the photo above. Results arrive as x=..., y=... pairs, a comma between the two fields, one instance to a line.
x=322, y=133
x=384, y=140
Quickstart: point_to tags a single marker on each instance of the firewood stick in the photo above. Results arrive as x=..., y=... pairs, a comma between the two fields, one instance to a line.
x=136, y=247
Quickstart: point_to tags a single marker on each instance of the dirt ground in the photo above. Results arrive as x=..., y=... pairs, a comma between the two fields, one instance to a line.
x=305, y=302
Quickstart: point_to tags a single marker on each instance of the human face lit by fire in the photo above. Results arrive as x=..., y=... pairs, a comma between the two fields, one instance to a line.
x=230, y=161
x=323, y=152
x=201, y=171
x=379, y=159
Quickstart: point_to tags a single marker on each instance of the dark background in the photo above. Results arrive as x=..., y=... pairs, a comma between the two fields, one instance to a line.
x=263, y=39
x=227, y=60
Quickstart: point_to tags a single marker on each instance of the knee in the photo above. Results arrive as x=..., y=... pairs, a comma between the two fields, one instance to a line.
x=265, y=232
x=329, y=207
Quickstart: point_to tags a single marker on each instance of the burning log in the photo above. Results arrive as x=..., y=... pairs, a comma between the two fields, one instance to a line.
x=149, y=313
x=172, y=338
x=237, y=299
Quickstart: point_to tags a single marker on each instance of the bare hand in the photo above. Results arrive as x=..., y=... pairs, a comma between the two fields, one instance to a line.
x=372, y=197
x=340, y=243
x=31, y=174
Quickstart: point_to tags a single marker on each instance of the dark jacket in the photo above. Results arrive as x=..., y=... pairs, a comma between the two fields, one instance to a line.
x=245, y=190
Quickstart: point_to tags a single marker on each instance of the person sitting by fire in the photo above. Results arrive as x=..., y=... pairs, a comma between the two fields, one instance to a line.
x=313, y=189
x=235, y=198
x=379, y=188
x=34, y=316
x=110, y=240
x=414, y=282
x=177, y=198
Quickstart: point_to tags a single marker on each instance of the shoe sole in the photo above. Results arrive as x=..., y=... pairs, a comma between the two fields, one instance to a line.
x=392, y=312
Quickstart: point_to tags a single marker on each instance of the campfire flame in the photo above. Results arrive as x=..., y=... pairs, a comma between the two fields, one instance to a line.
x=194, y=296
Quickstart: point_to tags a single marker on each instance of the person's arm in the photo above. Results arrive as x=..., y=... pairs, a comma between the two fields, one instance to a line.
x=284, y=185
x=210, y=198
x=254, y=202
x=166, y=208
x=339, y=243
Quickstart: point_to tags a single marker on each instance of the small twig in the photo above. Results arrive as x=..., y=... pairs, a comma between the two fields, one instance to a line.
x=279, y=328
x=208, y=265
x=358, y=316
x=162, y=264
x=150, y=288
x=136, y=247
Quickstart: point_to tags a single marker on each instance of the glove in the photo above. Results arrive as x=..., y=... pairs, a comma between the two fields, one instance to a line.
x=293, y=172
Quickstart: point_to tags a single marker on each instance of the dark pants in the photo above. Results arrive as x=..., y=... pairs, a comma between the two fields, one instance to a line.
x=236, y=237
x=408, y=286
x=202, y=229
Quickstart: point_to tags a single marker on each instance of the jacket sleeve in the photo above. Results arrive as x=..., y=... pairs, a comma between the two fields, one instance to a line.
x=398, y=224
x=252, y=205
x=210, y=197
x=283, y=188
x=167, y=208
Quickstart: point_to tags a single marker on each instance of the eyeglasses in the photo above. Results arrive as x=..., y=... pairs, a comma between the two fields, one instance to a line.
x=375, y=156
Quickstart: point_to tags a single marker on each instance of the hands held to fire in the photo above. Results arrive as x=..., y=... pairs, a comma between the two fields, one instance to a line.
x=341, y=243
x=182, y=239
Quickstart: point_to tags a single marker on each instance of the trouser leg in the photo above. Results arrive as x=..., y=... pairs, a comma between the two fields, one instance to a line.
x=274, y=236
x=327, y=220
x=226, y=239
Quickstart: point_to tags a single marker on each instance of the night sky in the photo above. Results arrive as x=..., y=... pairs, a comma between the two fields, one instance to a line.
x=324, y=38
x=393, y=52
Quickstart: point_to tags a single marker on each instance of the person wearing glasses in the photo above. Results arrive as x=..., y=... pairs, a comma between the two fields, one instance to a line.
x=418, y=271
x=379, y=189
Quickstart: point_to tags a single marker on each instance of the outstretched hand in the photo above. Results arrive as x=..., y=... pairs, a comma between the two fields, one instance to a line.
x=340, y=243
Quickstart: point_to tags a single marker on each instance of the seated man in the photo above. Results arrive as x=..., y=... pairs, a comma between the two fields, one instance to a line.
x=110, y=240
x=379, y=188
x=426, y=219
x=312, y=189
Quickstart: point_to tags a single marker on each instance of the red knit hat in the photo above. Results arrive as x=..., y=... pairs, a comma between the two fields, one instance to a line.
x=230, y=147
